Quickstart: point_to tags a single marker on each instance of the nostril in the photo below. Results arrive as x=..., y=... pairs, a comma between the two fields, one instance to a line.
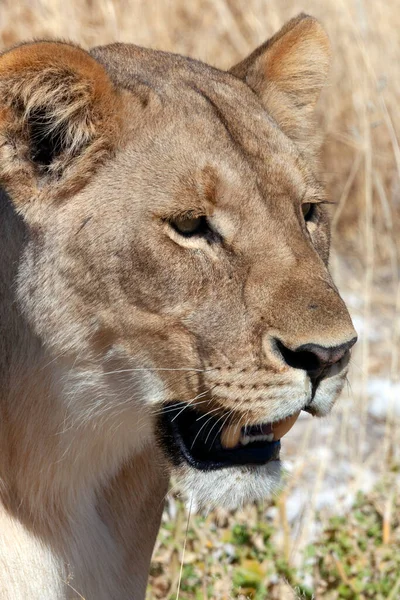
x=303, y=359
x=314, y=358
x=328, y=355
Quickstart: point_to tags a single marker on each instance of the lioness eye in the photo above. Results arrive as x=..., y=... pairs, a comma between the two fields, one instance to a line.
x=308, y=210
x=189, y=226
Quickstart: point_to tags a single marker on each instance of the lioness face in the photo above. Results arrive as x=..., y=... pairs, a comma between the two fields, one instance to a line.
x=193, y=263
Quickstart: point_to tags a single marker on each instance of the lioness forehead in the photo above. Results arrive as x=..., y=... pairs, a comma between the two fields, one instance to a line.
x=214, y=113
x=191, y=90
x=164, y=72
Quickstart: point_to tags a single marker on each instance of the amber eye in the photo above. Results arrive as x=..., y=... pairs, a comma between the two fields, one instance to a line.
x=307, y=210
x=189, y=226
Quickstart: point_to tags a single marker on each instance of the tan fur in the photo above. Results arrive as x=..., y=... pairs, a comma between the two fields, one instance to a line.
x=107, y=313
x=41, y=75
x=288, y=72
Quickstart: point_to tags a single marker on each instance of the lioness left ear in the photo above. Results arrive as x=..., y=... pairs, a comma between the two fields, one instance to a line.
x=58, y=120
x=288, y=73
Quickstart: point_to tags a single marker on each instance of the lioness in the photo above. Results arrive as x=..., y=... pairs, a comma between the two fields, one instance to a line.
x=165, y=297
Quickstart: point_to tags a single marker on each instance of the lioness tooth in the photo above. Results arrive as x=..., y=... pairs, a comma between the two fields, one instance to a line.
x=247, y=439
x=282, y=427
x=230, y=436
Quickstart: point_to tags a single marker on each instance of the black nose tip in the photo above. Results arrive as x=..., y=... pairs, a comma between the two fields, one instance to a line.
x=314, y=358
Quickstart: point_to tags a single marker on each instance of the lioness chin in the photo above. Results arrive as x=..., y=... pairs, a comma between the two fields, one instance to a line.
x=165, y=298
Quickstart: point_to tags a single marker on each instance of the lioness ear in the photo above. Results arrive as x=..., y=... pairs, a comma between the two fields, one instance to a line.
x=288, y=72
x=58, y=119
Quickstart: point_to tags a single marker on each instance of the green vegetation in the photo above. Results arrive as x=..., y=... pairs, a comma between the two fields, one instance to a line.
x=244, y=555
x=358, y=556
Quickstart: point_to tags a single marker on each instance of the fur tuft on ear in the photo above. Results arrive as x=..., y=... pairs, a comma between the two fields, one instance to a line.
x=288, y=73
x=58, y=119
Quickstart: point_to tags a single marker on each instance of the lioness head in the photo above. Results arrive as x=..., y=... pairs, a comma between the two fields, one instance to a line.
x=175, y=270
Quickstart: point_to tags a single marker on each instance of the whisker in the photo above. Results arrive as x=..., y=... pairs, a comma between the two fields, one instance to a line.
x=222, y=426
x=209, y=433
x=155, y=369
x=246, y=419
x=200, y=430
x=190, y=402
x=187, y=403
x=175, y=406
x=208, y=413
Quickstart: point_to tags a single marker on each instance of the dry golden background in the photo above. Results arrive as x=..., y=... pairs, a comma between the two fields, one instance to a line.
x=360, y=161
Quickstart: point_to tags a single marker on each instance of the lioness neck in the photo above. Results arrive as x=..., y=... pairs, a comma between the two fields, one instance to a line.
x=80, y=506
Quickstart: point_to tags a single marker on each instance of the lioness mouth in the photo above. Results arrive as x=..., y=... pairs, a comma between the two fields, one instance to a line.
x=199, y=440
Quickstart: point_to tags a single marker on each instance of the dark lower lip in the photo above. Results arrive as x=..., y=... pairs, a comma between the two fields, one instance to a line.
x=186, y=438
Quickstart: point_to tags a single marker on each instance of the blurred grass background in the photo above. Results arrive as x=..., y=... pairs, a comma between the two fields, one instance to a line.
x=334, y=531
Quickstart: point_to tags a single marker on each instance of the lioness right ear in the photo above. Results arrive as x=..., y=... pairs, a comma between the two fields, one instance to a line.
x=58, y=120
x=288, y=73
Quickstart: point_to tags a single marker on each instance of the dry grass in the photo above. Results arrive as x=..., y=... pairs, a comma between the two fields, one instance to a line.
x=361, y=164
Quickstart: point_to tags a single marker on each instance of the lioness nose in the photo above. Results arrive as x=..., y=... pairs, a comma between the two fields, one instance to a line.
x=314, y=358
